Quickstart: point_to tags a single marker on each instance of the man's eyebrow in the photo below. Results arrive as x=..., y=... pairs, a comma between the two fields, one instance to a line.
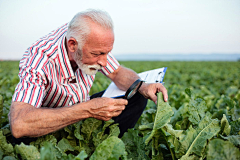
x=95, y=52
x=101, y=52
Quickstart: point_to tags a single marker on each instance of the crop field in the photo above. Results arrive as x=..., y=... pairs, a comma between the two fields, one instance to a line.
x=201, y=119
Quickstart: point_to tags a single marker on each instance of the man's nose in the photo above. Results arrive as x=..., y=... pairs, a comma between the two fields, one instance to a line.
x=102, y=60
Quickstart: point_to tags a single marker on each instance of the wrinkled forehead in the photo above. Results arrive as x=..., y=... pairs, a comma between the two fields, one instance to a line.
x=100, y=37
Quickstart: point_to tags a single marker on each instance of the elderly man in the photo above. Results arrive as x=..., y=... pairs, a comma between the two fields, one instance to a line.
x=56, y=75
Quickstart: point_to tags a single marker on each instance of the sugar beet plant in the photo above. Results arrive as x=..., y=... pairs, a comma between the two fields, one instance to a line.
x=201, y=120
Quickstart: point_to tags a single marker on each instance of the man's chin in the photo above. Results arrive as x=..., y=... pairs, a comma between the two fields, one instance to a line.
x=90, y=71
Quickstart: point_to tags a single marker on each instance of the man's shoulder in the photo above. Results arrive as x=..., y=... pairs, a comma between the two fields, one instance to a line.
x=50, y=40
x=45, y=49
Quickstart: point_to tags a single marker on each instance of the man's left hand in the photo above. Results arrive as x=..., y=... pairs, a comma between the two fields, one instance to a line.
x=150, y=91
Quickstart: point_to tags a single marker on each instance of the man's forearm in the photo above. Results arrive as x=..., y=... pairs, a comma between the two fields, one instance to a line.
x=33, y=122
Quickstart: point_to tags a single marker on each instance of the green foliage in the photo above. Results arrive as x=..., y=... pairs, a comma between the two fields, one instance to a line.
x=225, y=127
x=50, y=151
x=1, y=109
x=201, y=119
x=135, y=145
x=27, y=152
x=220, y=149
x=41, y=141
x=5, y=147
x=163, y=116
x=112, y=148
x=235, y=127
x=8, y=81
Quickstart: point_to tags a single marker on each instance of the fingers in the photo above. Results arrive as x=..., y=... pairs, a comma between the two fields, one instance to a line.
x=164, y=92
x=154, y=88
x=116, y=113
x=120, y=101
x=154, y=99
x=106, y=116
x=106, y=108
x=116, y=104
x=114, y=108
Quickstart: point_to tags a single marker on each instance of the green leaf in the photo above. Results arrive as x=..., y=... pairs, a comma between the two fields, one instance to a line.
x=114, y=130
x=232, y=90
x=173, y=138
x=195, y=140
x=27, y=152
x=42, y=140
x=112, y=148
x=148, y=126
x=107, y=124
x=225, y=127
x=49, y=152
x=148, y=115
x=232, y=108
x=134, y=144
x=89, y=148
x=77, y=131
x=191, y=157
x=1, y=154
x=163, y=116
x=89, y=126
x=81, y=156
x=64, y=145
x=228, y=101
x=7, y=148
x=183, y=124
x=188, y=91
x=235, y=113
x=100, y=136
x=1, y=110
x=196, y=110
x=162, y=148
x=69, y=129
x=235, y=139
x=9, y=158
x=235, y=127
x=220, y=149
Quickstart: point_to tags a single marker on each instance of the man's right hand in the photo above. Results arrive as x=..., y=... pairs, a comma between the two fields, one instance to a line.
x=105, y=108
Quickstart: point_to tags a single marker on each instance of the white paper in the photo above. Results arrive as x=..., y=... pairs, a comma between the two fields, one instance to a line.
x=152, y=76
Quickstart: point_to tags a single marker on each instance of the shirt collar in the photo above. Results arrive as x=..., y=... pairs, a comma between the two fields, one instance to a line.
x=66, y=68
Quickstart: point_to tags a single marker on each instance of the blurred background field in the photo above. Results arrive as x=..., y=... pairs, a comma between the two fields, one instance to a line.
x=217, y=77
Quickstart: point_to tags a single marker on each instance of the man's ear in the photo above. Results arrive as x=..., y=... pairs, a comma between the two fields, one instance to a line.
x=72, y=44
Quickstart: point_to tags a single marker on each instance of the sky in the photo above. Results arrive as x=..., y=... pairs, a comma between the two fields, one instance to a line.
x=140, y=26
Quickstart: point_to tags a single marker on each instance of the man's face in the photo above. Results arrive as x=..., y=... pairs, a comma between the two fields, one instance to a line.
x=93, y=55
x=88, y=69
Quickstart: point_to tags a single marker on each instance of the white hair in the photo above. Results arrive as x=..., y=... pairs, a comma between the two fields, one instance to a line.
x=79, y=27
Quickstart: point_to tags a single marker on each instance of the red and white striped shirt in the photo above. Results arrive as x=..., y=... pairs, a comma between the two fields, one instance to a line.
x=45, y=74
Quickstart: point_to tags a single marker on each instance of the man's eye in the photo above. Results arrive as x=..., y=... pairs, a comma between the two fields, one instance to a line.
x=95, y=54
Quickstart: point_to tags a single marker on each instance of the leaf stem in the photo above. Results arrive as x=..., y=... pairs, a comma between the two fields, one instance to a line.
x=172, y=152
